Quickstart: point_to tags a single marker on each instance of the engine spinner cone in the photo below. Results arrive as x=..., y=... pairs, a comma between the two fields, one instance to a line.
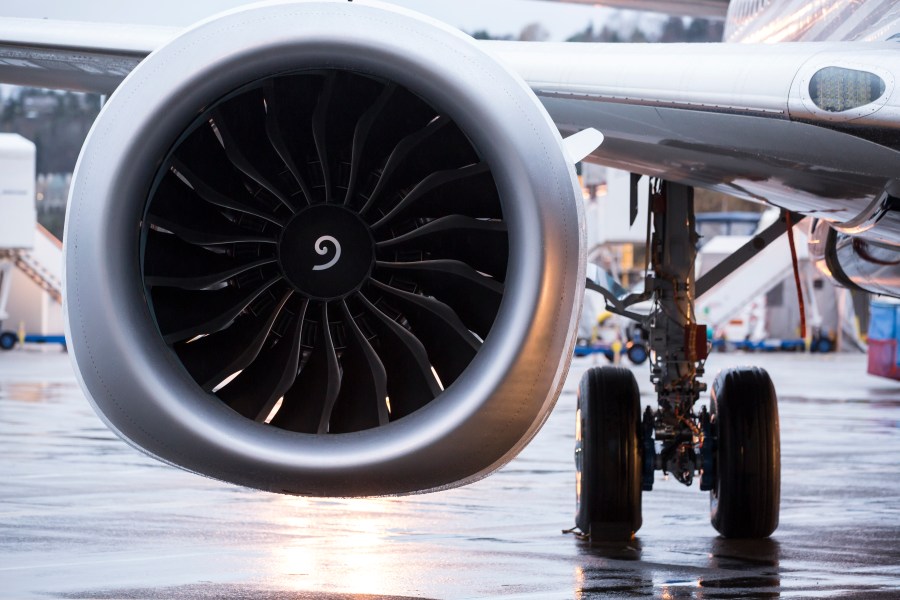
x=326, y=252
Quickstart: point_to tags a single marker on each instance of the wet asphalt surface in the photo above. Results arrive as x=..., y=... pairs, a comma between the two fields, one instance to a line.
x=83, y=515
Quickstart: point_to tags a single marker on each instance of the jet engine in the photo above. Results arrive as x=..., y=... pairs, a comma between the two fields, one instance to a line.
x=324, y=248
x=864, y=253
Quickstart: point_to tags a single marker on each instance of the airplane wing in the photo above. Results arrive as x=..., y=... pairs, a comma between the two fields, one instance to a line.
x=737, y=118
x=295, y=221
x=83, y=57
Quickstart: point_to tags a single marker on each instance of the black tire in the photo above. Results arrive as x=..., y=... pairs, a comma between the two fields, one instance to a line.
x=607, y=454
x=637, y=353
x=745, y=500
x=8, y=340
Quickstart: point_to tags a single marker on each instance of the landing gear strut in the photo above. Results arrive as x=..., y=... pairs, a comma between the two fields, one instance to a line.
x=733, y=447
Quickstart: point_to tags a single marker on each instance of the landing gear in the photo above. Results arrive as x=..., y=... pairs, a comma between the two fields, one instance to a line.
x=733, y=447
x=746, y=494
x=608, y=454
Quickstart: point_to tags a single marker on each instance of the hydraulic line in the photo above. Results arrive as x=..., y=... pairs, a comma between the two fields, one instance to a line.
x=790, y=234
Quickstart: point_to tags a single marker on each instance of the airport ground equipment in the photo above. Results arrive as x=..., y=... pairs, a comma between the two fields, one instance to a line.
x=768, y=267
x=635, y=350
x=25, y=247
x=242, y=165
x=883, y=339
x=9, y=340
x=17, y=211
x=818, y=343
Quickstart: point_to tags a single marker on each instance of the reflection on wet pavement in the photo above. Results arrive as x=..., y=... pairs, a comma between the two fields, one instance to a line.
x=82, y=515
x=217, y=592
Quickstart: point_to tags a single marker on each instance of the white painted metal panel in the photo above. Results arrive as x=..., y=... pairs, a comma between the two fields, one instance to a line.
x=17, y=211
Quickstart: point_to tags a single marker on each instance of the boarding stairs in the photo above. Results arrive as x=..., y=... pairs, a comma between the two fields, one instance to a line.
x=39, y=274
x=42, y=264
x=771, y=266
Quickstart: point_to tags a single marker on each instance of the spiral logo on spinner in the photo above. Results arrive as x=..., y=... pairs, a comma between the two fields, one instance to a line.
x=322, y=251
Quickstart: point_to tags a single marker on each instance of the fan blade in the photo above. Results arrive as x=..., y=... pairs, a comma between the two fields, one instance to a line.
x=255, y=391
x=214, y=357
x=450, y=345
x=213, y=197
x=279, y=93
x=411, y=383
x=211, y=235
x=399, y=154
x=481, y=244
x=429, y=184
x=474, y=196
x=165, y=255
x=402, y=116
x=241, y=125
x=307, y=405
x=178, y=209
x=334, y=373
x=361, y=404
x=183, y=314
x=319, y=130
x=193, y=282
x=202, y=153
x=168, y=261
x=474, y=297
x=361, y=135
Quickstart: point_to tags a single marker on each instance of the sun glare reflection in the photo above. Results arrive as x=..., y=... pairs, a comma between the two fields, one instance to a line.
x=274, y=410
x=339, y=545
x=579, y=582
x=791, y=25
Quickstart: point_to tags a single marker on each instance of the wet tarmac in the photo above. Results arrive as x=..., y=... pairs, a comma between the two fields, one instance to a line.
x=82, y=515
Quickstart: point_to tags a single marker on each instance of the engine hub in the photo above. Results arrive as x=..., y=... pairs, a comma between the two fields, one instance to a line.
x=326, y=252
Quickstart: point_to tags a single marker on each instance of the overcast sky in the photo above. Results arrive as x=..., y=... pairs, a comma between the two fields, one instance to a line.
x=499, y=17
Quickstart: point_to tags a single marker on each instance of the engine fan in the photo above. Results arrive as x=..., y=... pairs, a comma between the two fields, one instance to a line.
x=324, y=248
x=324, y=252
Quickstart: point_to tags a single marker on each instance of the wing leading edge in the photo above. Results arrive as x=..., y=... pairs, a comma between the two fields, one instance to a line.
x=84, y=57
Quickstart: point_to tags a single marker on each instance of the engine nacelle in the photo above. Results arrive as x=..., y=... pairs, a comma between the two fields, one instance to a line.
x=324, y=248
x=855, y=262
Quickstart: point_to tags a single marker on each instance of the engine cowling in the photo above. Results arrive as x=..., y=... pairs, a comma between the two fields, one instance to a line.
x=324, y=248
x=855, y=262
